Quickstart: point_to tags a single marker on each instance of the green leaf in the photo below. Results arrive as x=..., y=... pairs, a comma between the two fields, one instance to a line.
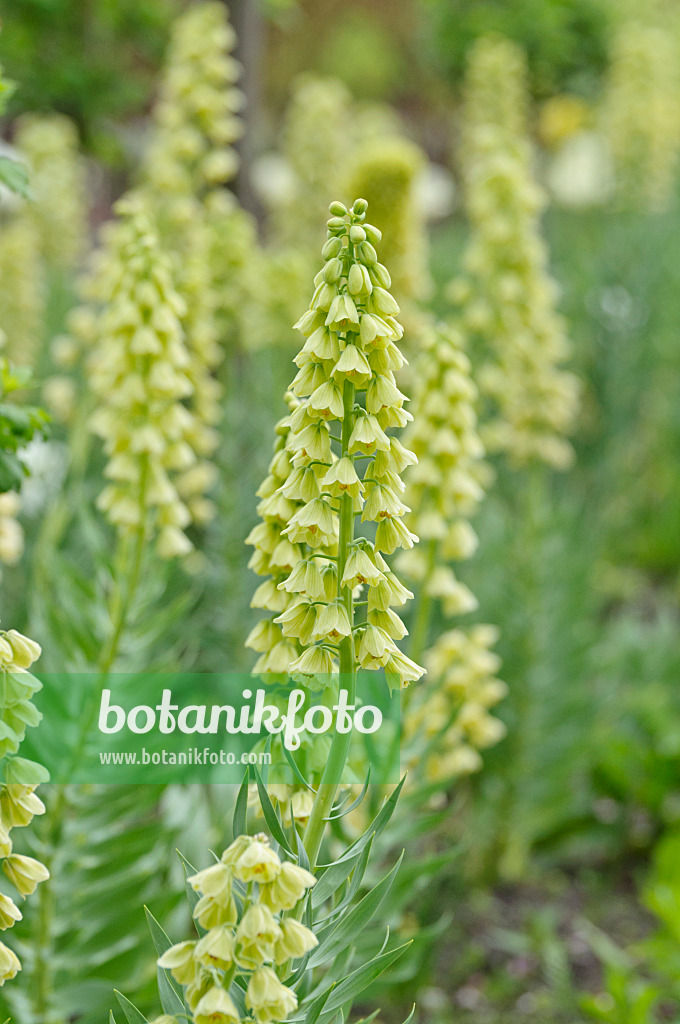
x=332, y=878
x=365, y=975
x=134, y=1016
x=160, y=939
x=355, y=803
x=112, y=1019
x=353, y=923
x=240, y=818
x=270, y=815
x=410, y=1016
x=14, y=176
x=317, y=1006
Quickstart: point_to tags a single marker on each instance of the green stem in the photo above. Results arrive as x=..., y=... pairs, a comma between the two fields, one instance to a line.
x=514, y=838
x=337, y=758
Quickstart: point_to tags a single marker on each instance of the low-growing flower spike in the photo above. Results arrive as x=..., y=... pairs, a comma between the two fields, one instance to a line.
x=321, y=479
x=138, y=373
x=505, y=295
x=257, y=939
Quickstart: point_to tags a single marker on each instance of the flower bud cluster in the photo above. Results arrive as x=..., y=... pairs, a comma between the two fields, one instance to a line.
x=323, y=479
x=139, y=375
x=444, y=490
x=247, y=932
x=642, y=113
x=196, y=119
x=19, y=802
x=58, y=186
x=506, y=296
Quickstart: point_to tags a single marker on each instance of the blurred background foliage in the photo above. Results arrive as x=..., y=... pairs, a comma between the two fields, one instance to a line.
x=564, y=887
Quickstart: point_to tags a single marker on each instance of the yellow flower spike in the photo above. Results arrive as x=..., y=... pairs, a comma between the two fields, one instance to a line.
x=49, y=144
x=23, y=289
x=506, y=296
x=147, y=430
x=640, y=113
x=268, y=998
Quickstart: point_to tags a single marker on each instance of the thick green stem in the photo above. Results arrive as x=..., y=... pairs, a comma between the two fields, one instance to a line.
x=339, y=751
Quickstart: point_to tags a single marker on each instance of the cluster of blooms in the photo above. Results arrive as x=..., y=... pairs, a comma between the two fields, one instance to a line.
x=450, y=713
x=138, y=373
x=385, y=171
x=642, y=113
x=244, y=906
x=506, y=295
x=22, y=288
x=305, y=543
x=50, y=145
x=19, y=802
x=452, y=722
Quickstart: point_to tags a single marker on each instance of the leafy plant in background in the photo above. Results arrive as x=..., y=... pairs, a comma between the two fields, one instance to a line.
x=91, y=64
x=566, y=42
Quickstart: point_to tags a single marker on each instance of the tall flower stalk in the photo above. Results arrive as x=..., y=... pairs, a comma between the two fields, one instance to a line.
x=323, y=482
x=507, y=304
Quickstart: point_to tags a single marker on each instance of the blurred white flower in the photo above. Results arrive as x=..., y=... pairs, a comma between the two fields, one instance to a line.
x=580, y=174
x=46, y=462
x=435, y=192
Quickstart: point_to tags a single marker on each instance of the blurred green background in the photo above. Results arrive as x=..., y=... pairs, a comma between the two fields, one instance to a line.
x=564, y=894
